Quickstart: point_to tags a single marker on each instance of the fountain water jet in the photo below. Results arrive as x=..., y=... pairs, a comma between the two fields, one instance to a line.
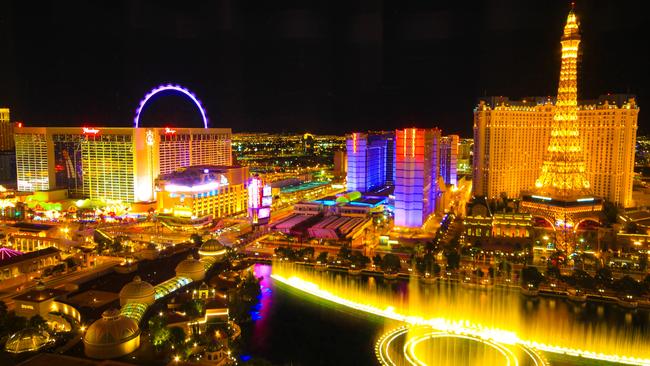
x=496, y=314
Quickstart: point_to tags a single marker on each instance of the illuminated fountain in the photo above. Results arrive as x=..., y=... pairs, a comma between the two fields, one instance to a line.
x=498, y=318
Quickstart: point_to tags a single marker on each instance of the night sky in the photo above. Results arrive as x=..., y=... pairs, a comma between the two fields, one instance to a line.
x=294, y=66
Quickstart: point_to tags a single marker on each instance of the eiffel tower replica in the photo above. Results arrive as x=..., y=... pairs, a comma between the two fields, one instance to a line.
x=562, y=193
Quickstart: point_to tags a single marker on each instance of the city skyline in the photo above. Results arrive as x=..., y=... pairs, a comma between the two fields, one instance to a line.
x=408, y=64
x=357, y=227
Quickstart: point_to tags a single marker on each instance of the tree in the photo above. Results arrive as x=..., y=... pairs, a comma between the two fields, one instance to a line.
x=116, y=245
x=71, y=262
x=376, y=260
x=250, y=288
x=530, y=275
x=3, y=310
x=429, y=247
x=609, y=213
x=553, y=272
x=604, y=277
x=628, y=285
x=285, y=252
x=453, y=259
x=193, y=308
x=344, y=252
x=3, y=316
x=256, y=361
x=390, y=263
x=504, y=200
x=196, y=239
x=582, y=279
x=177, y=336
x=37, y=321
x=322, y=257
x=158, y=331
x=358, y=259
x=643, y=261
x=428, y=260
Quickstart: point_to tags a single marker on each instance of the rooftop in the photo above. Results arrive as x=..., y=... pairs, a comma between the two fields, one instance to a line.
x=26, y=226
x=40, y=294
x=29, y=256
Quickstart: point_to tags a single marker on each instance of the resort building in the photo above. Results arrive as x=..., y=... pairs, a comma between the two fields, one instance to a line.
x=511, y=137
x=203, y=191
x=16, y=267
x=6, y=130
x=449, y=158
x=48, y=304
x=504, y=227
x=417, y=168
x=112, y=163
x=367, y=162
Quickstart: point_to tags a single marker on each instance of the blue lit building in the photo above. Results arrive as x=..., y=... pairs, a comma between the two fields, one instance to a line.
x=449, y=158
x=367, y=158
x=387, y=137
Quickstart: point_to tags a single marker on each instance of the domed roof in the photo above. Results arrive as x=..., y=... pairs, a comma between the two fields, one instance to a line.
x=192, y=268
x=113, y=328
x=28, y=339
x=212, y=247
x=137, y=289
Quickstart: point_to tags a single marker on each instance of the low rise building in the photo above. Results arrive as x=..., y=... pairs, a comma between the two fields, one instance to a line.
x=498, y=227
x=203, y=191
x=16, y=269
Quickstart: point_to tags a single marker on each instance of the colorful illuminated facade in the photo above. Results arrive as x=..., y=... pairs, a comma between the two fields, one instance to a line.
x=562, y=193
x=112, y=163
x=7, y=153
x=202, y=191
x=583, y=146
x=260, y=199
x=389, y=138
x=449, y=158
x=367, y=162
x=417, y=169
x=464, y=162
x=6, y=130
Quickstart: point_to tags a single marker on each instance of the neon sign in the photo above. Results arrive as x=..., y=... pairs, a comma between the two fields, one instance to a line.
x=169, y=131
x=150, y=138
x=168, y=87
x=90, y=131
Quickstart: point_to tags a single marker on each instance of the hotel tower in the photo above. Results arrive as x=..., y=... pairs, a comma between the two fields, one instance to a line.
x=513, y=139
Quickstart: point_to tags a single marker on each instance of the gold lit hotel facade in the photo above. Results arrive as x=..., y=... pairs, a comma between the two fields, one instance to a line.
x=583, y=149
x=511, y=139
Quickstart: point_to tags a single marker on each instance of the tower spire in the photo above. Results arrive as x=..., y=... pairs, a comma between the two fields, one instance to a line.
x=563, y=172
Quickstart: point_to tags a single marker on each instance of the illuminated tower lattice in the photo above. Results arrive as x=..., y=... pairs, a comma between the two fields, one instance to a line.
x=562, y=192
x=563, y=170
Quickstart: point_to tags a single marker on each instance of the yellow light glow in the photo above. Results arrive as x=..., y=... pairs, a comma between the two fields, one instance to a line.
x=414, y=314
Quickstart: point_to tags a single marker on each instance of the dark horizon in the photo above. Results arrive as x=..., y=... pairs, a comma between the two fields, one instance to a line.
x=293, y=66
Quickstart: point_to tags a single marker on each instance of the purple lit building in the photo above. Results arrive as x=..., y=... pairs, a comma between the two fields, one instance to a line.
x=367, y=158
x=417, y=168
